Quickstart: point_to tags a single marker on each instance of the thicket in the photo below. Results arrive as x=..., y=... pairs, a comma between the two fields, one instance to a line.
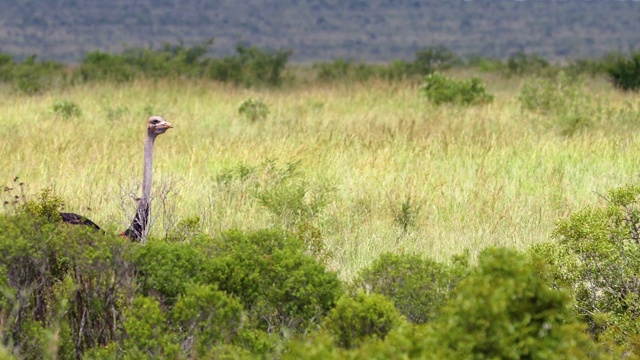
x=250, y=66
x=441, y=89
x=71, y=292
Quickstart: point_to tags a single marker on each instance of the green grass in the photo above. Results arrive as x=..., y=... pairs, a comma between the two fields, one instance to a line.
x=467, y=177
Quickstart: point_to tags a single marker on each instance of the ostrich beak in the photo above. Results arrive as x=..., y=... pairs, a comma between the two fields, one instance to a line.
x=165, y=125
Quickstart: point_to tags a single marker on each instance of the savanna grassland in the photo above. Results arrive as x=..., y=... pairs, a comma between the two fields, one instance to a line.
x=366, y=167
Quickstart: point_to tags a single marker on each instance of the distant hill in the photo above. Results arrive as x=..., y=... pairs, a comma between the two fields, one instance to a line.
x=367, y=30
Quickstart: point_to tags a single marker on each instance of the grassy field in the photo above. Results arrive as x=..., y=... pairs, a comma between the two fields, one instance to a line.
x=374, y=167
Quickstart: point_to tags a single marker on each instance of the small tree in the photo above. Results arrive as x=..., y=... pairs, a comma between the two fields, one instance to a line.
x=507, y=310
x=625, y=72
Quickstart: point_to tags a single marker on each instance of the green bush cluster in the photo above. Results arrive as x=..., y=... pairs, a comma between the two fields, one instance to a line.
x=597, y=256
x=30, y=76
x=624, y=71
x=505, y=308
x=253, y=110
x=440, y=89
x=73, y=292
x=562, y=99
x=418, y=287
x=85, y=293
x=427, y=61
x=250, y=66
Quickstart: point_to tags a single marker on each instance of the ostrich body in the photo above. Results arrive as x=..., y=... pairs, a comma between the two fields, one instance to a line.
x=137, y=231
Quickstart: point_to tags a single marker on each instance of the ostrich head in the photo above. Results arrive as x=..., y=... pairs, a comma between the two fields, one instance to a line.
x=157, y=125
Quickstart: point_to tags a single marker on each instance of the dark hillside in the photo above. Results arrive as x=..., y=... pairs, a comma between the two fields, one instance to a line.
x=374, y=30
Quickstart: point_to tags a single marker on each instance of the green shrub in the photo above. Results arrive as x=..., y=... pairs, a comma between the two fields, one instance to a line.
x=440, y=89
x=206, y=317
x=433, y=59
x=148, y=333
x=69, y=279
x=597, y=255
x=356, y=320
x=523, y=64
x=562, y=99
x=101, y=66
x=344, y=70
x=624, y=71
x=418, y=287
x=250, y=66
x=253, y=110
x=279, y=285
x=167, y=267
x=294, y=201
x=66, y=109
x=506, y=309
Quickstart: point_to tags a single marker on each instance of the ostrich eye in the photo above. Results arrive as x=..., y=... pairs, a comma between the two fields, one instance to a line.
x=155, y=121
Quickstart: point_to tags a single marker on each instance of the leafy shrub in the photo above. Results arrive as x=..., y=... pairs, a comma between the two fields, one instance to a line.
x=294, y=201
x=253, y=110
x=486, y=64
x=66, y=109
x=523, y=64
x=166, y=268
x=31, y=76
x=69, y=279
x=279, y=285
x=562, y=99
x=249, y=67
x=206, y=317
x=101, y=66
x=625, y=72
x=418, y=287
x=597, y=255
x=433, y=59
x=506, y=309
x=345, y=70
x=148, y=334
x=355, y=320
x=406, y=215
x=440, y=89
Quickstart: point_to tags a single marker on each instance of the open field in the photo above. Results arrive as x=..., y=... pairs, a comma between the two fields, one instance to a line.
x=345, y=159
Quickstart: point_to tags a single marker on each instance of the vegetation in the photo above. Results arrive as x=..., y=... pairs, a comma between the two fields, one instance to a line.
x=440, y=89
x=336, y=217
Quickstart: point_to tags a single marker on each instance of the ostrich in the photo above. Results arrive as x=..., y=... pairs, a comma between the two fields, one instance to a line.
x=138, y=229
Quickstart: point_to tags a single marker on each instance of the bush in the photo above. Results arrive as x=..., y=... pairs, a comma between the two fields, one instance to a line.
x=440, y=89
x=249, y=67
x=418, y=287
x=70, y=280
x=356, y=320
x=66, y=109
x=148, y=334
x=523, y=64
x=625, y=71
x=253, y=110
x=205, y=318
x=562, y=99
x=166, y=268
x=345, y=70
x=506, y=309
x=597, y=255
x=433, y=59
x=101, y=66
x=278, y=284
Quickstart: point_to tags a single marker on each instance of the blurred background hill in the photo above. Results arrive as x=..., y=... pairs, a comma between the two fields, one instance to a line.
x=317, y=30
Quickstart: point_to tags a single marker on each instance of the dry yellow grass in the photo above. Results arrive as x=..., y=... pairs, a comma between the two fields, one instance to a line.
x=469, y=177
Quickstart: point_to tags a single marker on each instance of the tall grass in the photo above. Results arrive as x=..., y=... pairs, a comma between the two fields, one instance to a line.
x=374, y=166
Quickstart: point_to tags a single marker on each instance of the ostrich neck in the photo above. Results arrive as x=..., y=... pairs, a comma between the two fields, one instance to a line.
x=148, y=165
